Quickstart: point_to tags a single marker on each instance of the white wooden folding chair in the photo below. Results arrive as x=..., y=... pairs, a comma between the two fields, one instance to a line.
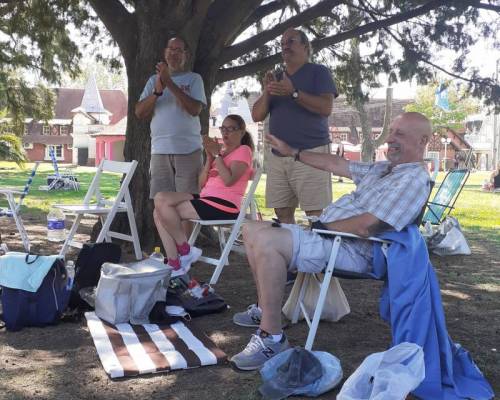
x=95, y=204
x=222, y=226
x=330, y=271
x=14, y=208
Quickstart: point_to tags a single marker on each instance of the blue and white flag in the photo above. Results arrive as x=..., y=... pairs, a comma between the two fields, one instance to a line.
x=441, y=99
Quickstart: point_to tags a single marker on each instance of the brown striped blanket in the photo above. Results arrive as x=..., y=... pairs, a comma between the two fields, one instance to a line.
x=129, y=350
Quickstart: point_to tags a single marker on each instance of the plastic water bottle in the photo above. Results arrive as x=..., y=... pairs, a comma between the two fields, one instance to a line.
x=157, y=255
x=55, y=225
x=70, y=270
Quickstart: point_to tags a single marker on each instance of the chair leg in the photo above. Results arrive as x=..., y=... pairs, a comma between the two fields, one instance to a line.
x=194, y=234
x=70, y=235
x=134, y=234
x=322, y=294
x=223, y=260
x=19, y=222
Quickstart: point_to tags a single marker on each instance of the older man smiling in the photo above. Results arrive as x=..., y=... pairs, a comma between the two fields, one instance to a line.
x=389, y=195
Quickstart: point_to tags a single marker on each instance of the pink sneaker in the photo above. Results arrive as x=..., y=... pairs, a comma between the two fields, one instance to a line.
x=191, y=257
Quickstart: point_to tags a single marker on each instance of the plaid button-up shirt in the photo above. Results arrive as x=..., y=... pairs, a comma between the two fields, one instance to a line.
x=395, y=196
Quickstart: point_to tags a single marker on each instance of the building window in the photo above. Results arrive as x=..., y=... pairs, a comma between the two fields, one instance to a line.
x=57, y=149
x=46, y=130
x=70, y=146
x=64, y=129
x=344, y=136
x=433, y=155
x=28, y=146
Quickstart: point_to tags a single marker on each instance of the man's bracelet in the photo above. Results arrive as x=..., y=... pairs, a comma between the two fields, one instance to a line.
x=296, y=157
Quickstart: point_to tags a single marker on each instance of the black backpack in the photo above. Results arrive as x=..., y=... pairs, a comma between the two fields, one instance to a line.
x=88, y=269
x=179, y=295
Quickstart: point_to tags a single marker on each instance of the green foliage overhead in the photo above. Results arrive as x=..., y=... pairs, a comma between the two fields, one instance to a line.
x=461, y=105
x=35, y=41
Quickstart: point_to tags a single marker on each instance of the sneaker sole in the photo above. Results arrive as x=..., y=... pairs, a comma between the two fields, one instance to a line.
x=246, y=325
x=233, y=364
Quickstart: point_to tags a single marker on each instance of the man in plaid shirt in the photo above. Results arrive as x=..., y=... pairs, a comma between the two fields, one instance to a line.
x=389, y=195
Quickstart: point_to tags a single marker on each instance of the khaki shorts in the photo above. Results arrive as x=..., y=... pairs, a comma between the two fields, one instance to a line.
x=175, y=173
x=290, y=183
x=311, y=253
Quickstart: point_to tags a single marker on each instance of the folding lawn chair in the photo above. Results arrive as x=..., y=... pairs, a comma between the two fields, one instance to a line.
x=14, y=207
x=95, y=204
x=447, y=194
x=234, y=226
x=312, y=278
x=65, y=180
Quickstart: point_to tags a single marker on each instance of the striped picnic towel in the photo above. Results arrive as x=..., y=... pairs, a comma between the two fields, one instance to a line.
x=129, y=350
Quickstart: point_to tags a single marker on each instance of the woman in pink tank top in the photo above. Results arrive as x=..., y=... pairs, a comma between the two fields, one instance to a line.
x=222, y=182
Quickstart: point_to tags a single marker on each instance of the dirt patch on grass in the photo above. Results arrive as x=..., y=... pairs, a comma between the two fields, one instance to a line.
x=60, y=362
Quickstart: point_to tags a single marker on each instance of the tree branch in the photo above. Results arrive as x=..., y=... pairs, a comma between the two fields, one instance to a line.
x=246, y=46
x=226, y=74
x=262, y=12
x=378, y=24
x=118, y=21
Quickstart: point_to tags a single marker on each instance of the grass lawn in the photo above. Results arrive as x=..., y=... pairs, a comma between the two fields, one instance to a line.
x=477, y=211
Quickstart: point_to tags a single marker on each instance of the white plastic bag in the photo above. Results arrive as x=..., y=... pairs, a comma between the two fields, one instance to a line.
x=388, y=375
x=336, y=304
x=127, y=293
x=449, y=239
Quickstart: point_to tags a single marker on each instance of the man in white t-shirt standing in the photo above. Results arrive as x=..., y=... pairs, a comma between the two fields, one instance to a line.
x=174, y=98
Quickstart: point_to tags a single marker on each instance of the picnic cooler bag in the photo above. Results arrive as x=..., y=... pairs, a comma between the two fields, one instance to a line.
x=128, y=292
x=34, y=290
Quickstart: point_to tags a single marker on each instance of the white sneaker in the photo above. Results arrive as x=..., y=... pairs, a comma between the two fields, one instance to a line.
x=191, y=257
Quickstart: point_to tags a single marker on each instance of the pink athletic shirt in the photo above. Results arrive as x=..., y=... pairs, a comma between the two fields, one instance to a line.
x=215, y=185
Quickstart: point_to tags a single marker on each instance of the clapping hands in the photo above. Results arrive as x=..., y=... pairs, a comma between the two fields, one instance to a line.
x=211, y=146
x=284, y=87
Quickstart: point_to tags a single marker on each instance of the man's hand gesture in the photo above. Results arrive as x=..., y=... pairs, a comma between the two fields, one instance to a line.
x=284, y=87
x=280, y=146
x=162, y=76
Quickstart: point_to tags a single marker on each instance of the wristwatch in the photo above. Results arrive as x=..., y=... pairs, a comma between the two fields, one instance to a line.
x=157, y=94
x=296, y=156
x=295, y=94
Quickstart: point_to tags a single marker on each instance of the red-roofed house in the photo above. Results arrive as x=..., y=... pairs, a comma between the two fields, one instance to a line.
x=78, y=114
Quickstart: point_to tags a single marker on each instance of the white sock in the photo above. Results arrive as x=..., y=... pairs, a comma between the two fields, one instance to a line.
x=277, y=338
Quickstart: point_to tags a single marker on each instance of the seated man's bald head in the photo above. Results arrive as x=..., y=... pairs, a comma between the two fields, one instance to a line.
x=409, y=134
x=417, y=122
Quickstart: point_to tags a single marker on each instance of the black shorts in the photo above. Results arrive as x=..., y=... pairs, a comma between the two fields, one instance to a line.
x=208, y=212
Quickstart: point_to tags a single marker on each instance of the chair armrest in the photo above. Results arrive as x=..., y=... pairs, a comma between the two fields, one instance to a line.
x=350, y=235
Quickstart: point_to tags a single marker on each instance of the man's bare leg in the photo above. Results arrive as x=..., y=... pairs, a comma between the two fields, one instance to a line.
x=270, y=252
x=286, y=214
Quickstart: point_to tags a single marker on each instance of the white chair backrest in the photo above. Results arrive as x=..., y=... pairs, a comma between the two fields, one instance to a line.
x=127, y=168
x=251, y=190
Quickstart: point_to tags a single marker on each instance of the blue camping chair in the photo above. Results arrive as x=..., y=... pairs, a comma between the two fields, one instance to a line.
x=13, y=209
x=447, y=194
x=65, y=180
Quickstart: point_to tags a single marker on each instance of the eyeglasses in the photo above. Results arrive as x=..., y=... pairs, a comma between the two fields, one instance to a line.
x=289, y=42
x=176, y=49
x=229, y=129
